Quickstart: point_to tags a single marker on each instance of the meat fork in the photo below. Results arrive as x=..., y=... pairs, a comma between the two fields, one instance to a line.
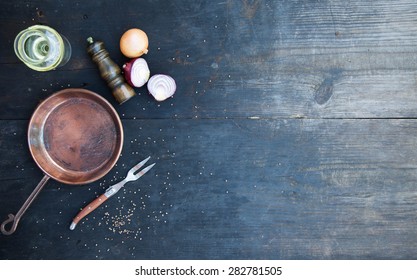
x=132, y=175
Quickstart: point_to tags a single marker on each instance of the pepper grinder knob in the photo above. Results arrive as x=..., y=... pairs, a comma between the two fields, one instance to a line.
x=109, y=71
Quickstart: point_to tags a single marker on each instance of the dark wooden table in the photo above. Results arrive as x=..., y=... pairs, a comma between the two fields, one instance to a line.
x=292, y=134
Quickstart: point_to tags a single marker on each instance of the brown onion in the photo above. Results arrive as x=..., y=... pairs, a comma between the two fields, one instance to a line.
x=161, y=86
x=134, y=43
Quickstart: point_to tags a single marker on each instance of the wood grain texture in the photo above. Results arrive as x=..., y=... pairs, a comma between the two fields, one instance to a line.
x=292, y=134
x=331, y=59
x=290, y=189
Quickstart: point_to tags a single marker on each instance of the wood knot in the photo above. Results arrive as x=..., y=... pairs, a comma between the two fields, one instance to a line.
x=326, y=89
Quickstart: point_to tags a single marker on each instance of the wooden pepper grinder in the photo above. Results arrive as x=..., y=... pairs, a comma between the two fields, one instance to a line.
x=109, y=71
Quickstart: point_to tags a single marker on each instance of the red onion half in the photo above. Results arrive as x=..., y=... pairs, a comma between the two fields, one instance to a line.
x=161, y=86
x=136, y=72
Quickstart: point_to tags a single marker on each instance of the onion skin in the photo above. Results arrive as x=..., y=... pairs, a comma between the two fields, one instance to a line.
x=134, y=43
x=161, y=87
x=136, y=72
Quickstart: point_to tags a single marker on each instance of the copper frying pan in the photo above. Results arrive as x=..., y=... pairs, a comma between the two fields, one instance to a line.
x=75, y=136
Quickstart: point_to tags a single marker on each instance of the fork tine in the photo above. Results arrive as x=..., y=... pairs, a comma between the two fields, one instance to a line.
x=143, y=171
x=139, y=165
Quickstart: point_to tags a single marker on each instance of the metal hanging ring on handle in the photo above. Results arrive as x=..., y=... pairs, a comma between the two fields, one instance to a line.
x=16, y=218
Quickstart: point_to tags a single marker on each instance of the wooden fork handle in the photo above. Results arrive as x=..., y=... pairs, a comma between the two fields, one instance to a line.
x=88, y=209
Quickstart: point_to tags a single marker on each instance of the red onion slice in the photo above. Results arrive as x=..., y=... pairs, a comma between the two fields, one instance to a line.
x=161, y=86
x=136, y=72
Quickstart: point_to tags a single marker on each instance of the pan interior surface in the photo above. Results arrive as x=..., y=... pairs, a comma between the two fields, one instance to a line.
x=75, y=136
x=79, y=135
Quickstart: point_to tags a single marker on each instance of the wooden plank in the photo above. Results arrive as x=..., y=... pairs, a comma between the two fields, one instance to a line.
x=259, y=189
x=337, y=59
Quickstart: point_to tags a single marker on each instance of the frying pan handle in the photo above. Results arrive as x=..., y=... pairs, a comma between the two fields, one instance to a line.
x=15, y=218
